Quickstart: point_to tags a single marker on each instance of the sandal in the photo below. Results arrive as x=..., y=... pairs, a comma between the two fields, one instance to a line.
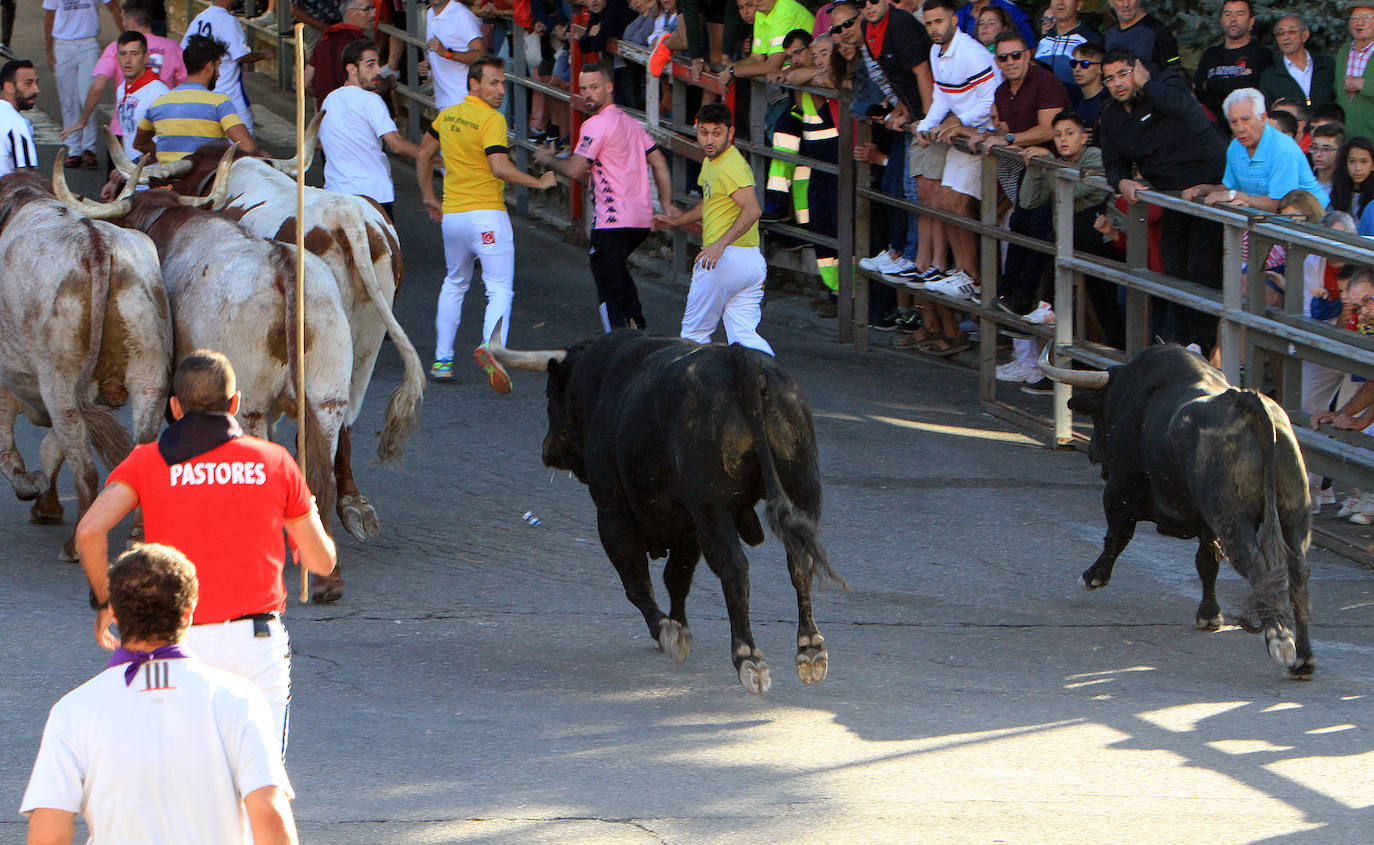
x=88, y=159
x=916, y=339
x=944, y=347
x=72, y=162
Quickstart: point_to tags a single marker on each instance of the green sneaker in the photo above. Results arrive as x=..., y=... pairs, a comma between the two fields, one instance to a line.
x=442, y=370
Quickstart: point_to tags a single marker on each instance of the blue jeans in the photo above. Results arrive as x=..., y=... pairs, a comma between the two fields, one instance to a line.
x=901, y=227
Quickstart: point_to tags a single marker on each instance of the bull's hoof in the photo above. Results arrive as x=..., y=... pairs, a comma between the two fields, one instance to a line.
x=1281, y=646
x=1094, y=581
x=754, y=676
x=674, y=639
x=28, y=485
x=41, y=514
x=326, y=589
x=1303, y=670
x=812, y=664
x=1208, y=623
x=357, y=515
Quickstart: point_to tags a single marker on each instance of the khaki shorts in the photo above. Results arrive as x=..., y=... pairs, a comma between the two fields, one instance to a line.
x=928, y=161
x=963, y=173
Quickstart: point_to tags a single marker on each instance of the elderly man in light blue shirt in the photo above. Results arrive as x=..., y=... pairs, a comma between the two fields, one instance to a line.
x=1262, y=164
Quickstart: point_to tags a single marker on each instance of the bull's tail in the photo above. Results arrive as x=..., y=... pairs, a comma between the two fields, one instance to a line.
x=318, y=460
x=111, y=442
x=403, y=409
x=796, y=529
x=1269, y=595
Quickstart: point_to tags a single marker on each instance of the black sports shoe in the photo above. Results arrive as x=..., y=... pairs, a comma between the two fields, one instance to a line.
x=910, y=322
x=885, y=323
x=1043, y=387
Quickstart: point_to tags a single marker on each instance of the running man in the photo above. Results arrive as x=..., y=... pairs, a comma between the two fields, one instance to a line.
x=618, y=153
x=728, y=274
x=472, y=138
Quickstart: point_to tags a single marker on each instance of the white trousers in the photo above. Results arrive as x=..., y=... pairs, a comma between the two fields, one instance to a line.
x=731, y=292
x=76, y=60
x=266, y=661
x=470, y=236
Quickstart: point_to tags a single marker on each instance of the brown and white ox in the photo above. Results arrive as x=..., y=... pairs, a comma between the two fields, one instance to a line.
x=234, y=292
x=358, y=242
x=83, y=316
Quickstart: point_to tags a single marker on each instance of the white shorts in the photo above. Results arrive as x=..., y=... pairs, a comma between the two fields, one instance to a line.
x=730, y=292
x=266, y=661
x=963, y=173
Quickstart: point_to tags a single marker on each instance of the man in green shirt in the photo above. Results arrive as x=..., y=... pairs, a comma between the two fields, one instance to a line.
x=773, y=19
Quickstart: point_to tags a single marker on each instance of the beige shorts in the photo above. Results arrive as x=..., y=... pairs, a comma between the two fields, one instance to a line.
x=928, y=161
x=963, y=173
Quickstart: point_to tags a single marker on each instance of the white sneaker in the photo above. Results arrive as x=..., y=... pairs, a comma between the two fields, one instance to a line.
x=883, y=262
x=957, y=285
x=266, y=19
x=901, y=265
x=1043, y=315
x=1018, y=371
x=1349, y=505
x=1317, y=497
x=1364, y=510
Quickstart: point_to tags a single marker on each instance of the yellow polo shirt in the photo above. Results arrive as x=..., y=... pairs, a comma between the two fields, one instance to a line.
x=720, y=177
x=468, y=132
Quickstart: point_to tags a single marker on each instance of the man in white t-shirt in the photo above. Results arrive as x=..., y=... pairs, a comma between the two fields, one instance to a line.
x=159, y=747
x=70, y=28
x=139, y=86
x=216, y=22
x=354, y=125
x=18, y=90
x=455, y=39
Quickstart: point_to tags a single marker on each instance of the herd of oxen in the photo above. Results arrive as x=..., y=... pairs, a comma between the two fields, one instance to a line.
x=677, y=442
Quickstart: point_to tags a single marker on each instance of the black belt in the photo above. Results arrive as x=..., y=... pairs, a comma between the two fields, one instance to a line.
x=257, y=617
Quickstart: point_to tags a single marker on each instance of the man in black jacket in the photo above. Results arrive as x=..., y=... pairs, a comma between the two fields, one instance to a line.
x=1298, y=74
x=1153, y=126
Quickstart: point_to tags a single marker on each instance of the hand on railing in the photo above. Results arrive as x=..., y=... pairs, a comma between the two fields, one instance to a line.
x=1129, y=187
x=1034, y=152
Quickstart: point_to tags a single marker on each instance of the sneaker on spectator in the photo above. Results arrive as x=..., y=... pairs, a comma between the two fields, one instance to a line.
x=881, y=263
x=266, y=19
x=1349, y=505
x=887, y=322
x=1012, y=305
x=901, y=265
x=918, y=279
x=1363, y=514
x=1018, y=370
x=910, y=322
x=1043, y=387
x=1324, y=495
x=957, y=285
x=1043, y=315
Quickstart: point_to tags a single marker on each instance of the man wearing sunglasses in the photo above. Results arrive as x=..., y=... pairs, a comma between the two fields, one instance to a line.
x=1087, y=76
x=1055, y=49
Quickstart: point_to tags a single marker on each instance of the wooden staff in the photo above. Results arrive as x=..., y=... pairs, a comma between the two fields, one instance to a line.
x=300, y=269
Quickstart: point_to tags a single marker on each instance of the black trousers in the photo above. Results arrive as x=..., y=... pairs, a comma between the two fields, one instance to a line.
x=615, y=287
x=1191, y=249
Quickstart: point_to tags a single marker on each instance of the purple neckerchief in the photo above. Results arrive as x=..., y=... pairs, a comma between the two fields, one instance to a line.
x=136, y=659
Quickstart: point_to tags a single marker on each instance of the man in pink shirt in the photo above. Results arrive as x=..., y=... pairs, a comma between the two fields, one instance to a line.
x=164, y=58
x=618, y=153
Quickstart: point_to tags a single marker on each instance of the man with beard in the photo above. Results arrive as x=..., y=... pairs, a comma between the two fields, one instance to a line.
x=18, y=90
x=1143, y=34
x=354, y=126
x=191, y=115
x=1235, y=63
x=618, y=154
x=1153, y=124
x=216, y=22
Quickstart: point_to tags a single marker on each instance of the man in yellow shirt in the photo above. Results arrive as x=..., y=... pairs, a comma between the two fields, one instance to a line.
x=472, y=138
x=727, y=277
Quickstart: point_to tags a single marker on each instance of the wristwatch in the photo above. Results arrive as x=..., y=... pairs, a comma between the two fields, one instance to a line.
x=1230, y=196
x=1010, y=137
x=95, y=605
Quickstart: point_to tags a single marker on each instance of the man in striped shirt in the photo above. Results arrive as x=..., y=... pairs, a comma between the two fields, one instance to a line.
x=18, y=90
x=192, y=114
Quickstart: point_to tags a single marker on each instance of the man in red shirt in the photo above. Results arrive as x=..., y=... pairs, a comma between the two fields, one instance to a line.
x=326, y=61
x=222, y=499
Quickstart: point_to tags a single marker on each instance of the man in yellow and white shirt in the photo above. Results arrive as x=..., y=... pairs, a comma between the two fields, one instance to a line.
x=728, y=274
x=471, y=135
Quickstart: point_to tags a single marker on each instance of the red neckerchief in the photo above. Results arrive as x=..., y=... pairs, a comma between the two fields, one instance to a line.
x=149, y=75
x=339, y=27
x=874, y=35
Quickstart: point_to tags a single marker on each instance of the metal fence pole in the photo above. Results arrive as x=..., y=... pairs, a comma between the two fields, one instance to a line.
x=848, y=290
x=989, y=266
x=1137, y=258
x=522, y=116
x=1064, y=283
x=1233, y=299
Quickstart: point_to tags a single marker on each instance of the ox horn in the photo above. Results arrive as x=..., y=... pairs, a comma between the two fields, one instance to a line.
x=290, y=165
x=1074, y=378
x=81, y=205
x=121, y=162
x=522, y=360
x=219, y=191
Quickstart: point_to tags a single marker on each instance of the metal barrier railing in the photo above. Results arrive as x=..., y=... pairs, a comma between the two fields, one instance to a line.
x=1259, y=343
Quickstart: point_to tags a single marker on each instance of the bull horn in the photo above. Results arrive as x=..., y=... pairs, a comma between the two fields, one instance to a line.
x=290, y=165
x=121, y=162
x=131, y=183
x=169, y=169
x=81, y=205
x=511, y=359
x=117, y=157
x=219, y=191
x=1074, y=378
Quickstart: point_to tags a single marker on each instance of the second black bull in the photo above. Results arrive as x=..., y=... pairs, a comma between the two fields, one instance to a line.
x=677, y=443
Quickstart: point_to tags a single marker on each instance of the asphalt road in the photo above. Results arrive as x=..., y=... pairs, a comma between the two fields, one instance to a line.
x=484, y=679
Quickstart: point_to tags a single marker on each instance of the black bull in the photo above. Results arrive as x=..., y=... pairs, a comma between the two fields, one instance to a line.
x=677, y=442
x=1181, y=448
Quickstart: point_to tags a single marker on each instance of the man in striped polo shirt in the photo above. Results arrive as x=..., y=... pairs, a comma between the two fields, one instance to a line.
x=192, y=114
x=18, y=90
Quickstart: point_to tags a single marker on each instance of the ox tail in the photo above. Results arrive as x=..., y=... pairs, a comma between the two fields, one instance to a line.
x=403, y=409
x=318, y=460
x=795, y=528
x=1269, y=595
x=109, y=439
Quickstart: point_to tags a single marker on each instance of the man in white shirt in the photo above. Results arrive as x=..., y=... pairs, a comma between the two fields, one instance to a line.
x=139, y=86
x=70, y=28
x=455, y=39
x=18, y=90
x=159, y=747
x=354, y=126
x=216, y=22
